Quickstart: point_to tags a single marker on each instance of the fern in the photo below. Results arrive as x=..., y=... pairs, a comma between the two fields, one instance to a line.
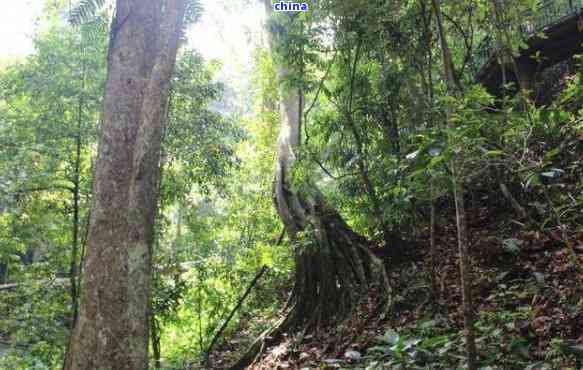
x=192, y=15
x=193, y=12
x=85, y=11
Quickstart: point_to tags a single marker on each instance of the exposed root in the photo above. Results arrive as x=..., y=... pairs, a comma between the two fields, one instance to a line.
x=256, y=348
x=330, y=280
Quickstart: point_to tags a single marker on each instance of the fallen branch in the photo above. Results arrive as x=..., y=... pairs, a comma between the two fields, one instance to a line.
x=237, y=307
x=14, y=345
x=281, y=236
x=256, y=348
x=12, y=286
x=517, y=207
x=8, y=286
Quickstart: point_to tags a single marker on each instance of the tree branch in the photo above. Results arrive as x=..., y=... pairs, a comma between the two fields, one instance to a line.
x=237, y=307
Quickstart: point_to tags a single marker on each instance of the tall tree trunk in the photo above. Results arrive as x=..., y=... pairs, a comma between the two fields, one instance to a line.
x=457, y=178
x=113, y=324
x=333, y=264
x=427, y=83
x=337, y=261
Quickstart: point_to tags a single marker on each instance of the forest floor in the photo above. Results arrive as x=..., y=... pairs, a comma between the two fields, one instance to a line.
x=528, y=300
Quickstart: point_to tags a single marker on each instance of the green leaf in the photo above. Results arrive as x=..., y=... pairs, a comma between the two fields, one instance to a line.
x=552, y=153
x=428, y=324
x=494, y=153
x=413, y=155
x=85, y=11
x=553, y=173
x=390, y=337
x=435, y=341
x=512, y=245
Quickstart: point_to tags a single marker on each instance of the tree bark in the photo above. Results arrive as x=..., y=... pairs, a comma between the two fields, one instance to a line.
x=113, y=324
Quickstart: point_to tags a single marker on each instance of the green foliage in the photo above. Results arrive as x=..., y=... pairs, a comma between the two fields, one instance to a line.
x=198, y=142
x=84, y=11
x=433, y=343
x=375, y=106
x=87, y=11
x=49, y=102
x=193, y=12
x=216, y=186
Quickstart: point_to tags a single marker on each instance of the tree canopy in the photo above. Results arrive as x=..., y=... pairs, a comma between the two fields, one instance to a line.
x=395, y=184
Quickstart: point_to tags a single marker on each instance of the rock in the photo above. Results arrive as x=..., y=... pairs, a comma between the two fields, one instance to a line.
x=352, y=356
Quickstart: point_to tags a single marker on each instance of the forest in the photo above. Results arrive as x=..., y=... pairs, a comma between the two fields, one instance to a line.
x=379, y=184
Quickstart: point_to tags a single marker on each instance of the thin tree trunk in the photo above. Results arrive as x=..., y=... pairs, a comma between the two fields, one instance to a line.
x=113, y=325
x=326, y=274
x=465, y=271
x=73, y=273
x=504, y=38
x=329, y=273
x=3, y=273
x=156, y=326
x=155, y=332
x=233, y=312
x=457, y=178
x=199, y=311
x=433, y=248
x=390, y=127
x=429, y=96
x=361, y=161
